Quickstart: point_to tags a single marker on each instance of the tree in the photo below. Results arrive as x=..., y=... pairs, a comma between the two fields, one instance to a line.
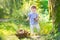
x=54, y=10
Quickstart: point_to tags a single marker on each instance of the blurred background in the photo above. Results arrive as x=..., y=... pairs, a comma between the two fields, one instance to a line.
x=13, y=14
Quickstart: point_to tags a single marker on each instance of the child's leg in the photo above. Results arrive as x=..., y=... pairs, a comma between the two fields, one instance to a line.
x=37, y=27
x=32, y=29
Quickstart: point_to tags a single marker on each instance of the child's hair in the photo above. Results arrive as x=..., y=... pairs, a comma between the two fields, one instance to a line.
x=34, y=7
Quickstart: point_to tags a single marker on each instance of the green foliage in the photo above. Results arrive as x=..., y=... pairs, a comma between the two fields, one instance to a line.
x=8, y=26
x=46, y=28
x=6, y=34
x=6, y=29
x=44, y=4
x=57, y=36
x=17, y=10
x=4, y=13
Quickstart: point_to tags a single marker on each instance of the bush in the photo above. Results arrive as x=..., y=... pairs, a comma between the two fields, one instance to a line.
x=8, y=26
x=46, y=28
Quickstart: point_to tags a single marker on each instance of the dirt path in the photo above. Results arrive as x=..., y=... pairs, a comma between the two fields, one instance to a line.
x=13, y=37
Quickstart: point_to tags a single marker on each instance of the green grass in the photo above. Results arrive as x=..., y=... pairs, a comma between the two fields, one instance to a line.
x=9, y=28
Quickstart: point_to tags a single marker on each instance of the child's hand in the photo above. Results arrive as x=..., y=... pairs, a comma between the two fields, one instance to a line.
x=27, y=19
x=36, y=19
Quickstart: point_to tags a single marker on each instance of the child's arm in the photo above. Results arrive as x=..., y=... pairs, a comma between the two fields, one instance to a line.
x=37, y=18
x=27, y=19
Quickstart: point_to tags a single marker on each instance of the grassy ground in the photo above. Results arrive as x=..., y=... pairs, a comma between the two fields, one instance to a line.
x=8, y=29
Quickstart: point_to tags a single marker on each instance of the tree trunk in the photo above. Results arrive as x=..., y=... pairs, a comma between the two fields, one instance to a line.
x=54, y=10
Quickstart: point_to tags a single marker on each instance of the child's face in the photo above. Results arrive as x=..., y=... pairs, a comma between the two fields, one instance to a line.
x=33, y=9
